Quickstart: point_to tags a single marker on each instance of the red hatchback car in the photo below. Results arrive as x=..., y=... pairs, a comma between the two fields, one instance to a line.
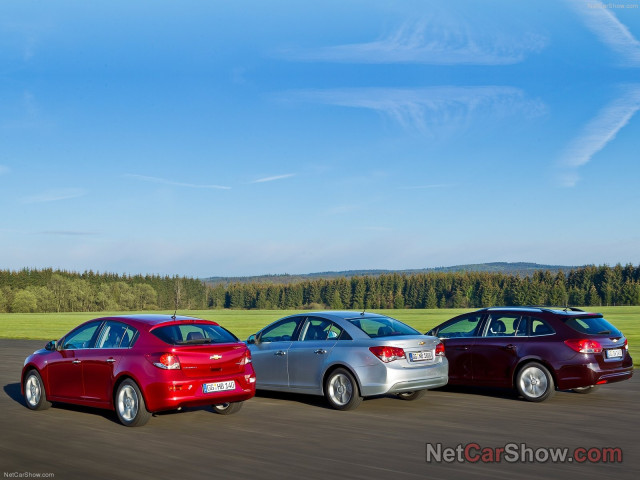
x=139, y=364
x=535, y=350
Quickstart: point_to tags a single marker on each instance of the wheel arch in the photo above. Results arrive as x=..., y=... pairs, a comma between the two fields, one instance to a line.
x=333, y=368
x=526, y=361
x=118, y=381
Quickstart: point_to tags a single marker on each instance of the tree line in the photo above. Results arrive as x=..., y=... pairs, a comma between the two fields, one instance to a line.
x=47, y=290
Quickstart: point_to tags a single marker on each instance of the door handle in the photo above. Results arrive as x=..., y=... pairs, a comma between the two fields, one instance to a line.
x=280, y=352
x=509, y=347
x=461, y=348
x=76, y=361
x=111, y=360
x=320, y=351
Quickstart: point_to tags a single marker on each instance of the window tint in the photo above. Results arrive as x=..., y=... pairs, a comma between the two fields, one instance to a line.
x=501, y=325
x=540, y=327
x=592, y=326
x=82, y=337
x=281, y=332
x=115, y=335
x=462, y=327
x=383, y=327
x=321, y=329
x=194, y=334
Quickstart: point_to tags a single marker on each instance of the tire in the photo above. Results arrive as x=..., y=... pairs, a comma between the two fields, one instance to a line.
x=535, y=383
x=130, y=406
x=227, y=408
x=586, y=390
x=34, y=394
x=410, y=396
x=341, y=390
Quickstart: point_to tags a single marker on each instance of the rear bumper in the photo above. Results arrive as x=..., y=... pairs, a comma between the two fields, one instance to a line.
x=382, y=380
x=175, y=393
x=576, y=376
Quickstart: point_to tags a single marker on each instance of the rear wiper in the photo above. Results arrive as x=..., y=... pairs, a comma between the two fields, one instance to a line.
x=195, y=341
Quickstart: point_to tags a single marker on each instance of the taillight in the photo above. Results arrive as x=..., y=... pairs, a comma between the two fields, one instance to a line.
x=388, y=354
x=440, y=350
x=626, y=344
x=168, y=361
x=584, y=345
x=246, y=358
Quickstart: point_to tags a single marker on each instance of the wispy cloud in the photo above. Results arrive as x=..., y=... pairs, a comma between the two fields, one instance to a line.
x=164, y=181
x=274, y=178
x=603, y=22
x=432, y=41
x=427, y=187
x=425, y=108
x=597, y=134
x=67, y=233
x=55, y=195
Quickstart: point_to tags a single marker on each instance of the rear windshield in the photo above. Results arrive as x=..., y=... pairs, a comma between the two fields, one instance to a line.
x=194, y=334
x=383, y=327
x=592, y=326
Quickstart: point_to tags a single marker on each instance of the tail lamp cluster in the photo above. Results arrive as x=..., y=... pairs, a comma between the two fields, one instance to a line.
x=585, y=345
x=388, y=354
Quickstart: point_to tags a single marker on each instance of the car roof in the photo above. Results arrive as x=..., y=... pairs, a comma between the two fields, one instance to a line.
x=567, y=311
x=151, y=320
x=339, y=314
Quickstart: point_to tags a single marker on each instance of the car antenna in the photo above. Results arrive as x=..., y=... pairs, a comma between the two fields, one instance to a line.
x=363, y=311
x=173, y=317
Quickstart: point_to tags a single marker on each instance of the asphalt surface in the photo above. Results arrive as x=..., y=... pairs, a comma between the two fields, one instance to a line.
x=283, y=436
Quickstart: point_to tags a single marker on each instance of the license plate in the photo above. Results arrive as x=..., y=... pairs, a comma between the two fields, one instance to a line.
x=420, y=356
x=614, y=353
x=219, y=386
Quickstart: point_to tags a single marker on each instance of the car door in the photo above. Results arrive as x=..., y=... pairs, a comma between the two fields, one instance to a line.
x=458, y=336
x=270, y=352
x=497, y=350
x=64, y=370
x=98, y=363
x=309, y=355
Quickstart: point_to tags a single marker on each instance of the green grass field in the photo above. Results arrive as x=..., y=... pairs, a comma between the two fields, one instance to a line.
x=49, y=326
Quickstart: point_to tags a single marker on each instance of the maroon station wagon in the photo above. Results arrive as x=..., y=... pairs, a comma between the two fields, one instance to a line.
x=535, y=350
x=139, y=364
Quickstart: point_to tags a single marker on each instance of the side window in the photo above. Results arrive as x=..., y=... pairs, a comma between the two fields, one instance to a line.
x=320, y=329
x=129, y=338
x=82, y=337
x=522, y=328
x=501, y=325
x=540, y=327
x=462, y=327
x=282, y=331
x=115, y=335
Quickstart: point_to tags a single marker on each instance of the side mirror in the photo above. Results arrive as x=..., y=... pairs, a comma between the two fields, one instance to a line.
x=51, y=346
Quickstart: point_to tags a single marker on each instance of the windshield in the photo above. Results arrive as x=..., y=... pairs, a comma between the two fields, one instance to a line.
x=194, y=334
x=377, y=327
x=592, y=326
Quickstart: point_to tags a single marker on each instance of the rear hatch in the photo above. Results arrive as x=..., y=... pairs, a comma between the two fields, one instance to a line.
x=609, y=345
x=199, y=361
x=204, y=349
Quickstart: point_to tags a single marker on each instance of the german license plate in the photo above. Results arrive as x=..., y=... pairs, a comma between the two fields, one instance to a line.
x=614, y=353
x=219, y=386
x=420, y=356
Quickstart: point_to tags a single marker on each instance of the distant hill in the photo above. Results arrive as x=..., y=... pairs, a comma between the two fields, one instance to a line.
x=508, y=268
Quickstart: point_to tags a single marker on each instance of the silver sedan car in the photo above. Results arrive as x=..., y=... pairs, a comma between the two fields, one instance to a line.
x=346, y=356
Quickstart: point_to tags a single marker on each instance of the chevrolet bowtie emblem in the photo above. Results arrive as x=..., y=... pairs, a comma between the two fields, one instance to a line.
x=421, y=343
x=215, y=357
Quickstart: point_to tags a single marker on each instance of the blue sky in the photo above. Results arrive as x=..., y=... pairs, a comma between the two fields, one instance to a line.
x=252, y=137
